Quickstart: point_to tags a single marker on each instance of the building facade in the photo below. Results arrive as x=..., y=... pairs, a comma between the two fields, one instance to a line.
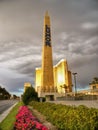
x=94, y=86
x=62, y=77
x=27, y=85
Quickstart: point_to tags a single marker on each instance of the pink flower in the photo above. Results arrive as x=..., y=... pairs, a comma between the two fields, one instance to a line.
x=26, y=121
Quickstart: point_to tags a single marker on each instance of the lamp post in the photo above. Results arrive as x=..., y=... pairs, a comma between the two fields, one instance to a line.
x=74, y=74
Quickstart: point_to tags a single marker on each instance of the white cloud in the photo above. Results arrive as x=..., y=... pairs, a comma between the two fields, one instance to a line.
x=89, y=25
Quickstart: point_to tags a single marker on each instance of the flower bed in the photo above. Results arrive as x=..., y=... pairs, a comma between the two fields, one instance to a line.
x=26, y=121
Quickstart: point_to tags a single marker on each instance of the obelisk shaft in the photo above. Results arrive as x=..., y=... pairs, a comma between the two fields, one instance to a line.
x=47, y=83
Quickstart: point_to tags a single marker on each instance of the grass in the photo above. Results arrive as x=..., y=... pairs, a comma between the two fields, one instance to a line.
x=8, y=122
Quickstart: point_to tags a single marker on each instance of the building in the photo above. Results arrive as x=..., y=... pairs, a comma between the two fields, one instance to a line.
x=62, y=77
x=94, y=86
x=27, y=85
x=51, y=80
x=94, y=83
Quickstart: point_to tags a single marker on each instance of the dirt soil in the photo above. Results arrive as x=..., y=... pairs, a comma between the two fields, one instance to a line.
x=42, y=119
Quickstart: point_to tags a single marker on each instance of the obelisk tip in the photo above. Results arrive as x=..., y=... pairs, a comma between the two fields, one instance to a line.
x=46, y=13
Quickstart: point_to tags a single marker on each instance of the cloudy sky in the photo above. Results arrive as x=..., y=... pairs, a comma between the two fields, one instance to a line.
x=74, y=37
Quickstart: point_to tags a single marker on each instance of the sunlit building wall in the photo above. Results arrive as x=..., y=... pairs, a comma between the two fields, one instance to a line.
x=27, y=85
x=38, y=78
x=62, y=77
x=94, y=86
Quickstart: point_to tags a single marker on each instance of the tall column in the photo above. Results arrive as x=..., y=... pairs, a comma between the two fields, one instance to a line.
x=47, y=82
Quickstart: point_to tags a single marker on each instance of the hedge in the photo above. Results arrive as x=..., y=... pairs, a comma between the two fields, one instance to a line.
x=68, y=117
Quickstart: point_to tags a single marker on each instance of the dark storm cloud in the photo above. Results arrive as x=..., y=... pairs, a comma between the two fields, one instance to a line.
x=19, y=49
x=17, y=84
x=74, y=37
x=27, y=68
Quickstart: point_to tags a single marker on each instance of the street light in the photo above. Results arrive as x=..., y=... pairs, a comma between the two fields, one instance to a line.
x=74, y=74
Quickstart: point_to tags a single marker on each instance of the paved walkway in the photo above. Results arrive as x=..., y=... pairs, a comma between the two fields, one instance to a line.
x=5, y=113
x=88, y=103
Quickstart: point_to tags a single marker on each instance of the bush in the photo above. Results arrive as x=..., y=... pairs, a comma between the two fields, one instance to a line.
x=69, y=117
x=29, y=95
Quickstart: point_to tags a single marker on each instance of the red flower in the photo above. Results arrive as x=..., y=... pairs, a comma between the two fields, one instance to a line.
x=26, y=121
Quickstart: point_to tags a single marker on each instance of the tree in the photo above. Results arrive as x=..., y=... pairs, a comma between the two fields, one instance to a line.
x=95, y=81
x=29, y=95
x=4, y=94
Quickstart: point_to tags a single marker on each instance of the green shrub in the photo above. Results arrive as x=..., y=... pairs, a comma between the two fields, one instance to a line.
x=29, y=95
x=68, y=117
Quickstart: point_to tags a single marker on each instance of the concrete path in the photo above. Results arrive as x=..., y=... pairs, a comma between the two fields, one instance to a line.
x=88, y=103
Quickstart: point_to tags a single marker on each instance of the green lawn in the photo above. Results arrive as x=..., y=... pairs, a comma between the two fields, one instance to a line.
x=8, y=122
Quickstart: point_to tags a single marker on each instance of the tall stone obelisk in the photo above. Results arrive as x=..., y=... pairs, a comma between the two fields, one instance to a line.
x=47, y=81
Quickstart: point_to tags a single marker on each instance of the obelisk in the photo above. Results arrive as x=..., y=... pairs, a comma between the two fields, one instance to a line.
x=47, y=82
